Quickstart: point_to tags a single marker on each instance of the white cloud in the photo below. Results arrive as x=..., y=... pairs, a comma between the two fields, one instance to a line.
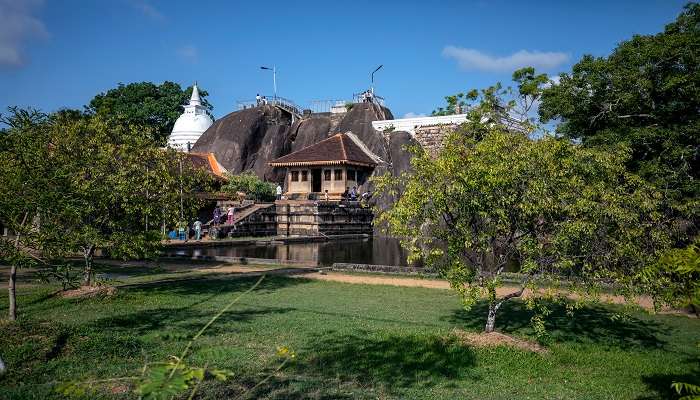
x=188, y=53
x=18, y=25
x=413, y=115
x=147, y=9
x=471, y=59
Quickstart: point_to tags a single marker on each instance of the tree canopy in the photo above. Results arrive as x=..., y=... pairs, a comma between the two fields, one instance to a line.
x=645, y=95
x=555, y=209
x=72, y=185
x=146, y=104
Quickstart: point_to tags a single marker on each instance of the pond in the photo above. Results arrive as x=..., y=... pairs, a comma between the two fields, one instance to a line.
x=373, y=250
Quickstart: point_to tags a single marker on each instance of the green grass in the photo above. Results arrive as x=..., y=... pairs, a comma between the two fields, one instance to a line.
x=352, y=342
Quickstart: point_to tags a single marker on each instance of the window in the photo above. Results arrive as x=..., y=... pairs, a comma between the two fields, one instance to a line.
x=304, y=176
x=338, y=175
x=295, y=176
x=351, y=174
x=326, y=174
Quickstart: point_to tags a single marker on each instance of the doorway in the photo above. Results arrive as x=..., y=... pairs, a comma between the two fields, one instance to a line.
x=316, y=180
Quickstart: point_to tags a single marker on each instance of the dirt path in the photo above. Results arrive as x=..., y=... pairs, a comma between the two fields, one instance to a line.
x=644, y=302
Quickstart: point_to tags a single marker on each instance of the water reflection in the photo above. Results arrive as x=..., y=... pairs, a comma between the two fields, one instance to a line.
x=374, y=250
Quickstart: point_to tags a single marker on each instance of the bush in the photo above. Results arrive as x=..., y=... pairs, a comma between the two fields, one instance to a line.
x=249, y=183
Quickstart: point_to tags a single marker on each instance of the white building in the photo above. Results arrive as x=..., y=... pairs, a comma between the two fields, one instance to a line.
x=191, y=124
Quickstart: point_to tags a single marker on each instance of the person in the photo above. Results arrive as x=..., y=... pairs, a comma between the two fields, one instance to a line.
x=325, y=195
x=345, y=194
x=264, y=100
x=353, y=194
x=257, y=99
x=229, y=216
x=197, y=229
x=181, y=228
x=278, y=191
x=217, y=216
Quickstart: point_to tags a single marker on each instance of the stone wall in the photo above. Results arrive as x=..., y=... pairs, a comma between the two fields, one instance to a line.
x=431, y=138
x=321, y=218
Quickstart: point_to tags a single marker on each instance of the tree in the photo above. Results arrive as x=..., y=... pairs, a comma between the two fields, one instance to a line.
x=645, y=95
x=71, y=185
x=27, y=183
x=146, y=104
x=493, y=197
x=249, y=183
x=677, y=276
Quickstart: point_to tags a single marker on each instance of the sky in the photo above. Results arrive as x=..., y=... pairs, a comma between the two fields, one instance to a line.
x=58, y=54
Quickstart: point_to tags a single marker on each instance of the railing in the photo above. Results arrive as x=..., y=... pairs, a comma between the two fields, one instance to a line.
x=324, y=106
x=366, y=97
x=280, y=102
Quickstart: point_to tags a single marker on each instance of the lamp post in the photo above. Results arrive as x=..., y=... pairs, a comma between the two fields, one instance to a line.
x=274, y=78
x=378, y=68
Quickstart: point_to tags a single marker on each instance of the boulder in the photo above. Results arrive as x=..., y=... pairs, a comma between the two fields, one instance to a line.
x=243, y=139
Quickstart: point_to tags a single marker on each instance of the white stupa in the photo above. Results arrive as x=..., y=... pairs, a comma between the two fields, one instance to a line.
x=191, y=124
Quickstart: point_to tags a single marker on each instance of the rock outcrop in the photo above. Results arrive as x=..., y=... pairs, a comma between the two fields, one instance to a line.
x=247, y=140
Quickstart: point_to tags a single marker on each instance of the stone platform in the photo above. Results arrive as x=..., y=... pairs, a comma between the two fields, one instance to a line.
x=313, y=218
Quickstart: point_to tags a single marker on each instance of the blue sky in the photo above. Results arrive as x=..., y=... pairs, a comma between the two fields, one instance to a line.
x=60, y=53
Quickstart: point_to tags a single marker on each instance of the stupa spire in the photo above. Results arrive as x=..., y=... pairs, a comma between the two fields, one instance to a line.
x=195, y=100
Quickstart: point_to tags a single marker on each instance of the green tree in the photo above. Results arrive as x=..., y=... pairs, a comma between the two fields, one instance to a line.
x=28, y=183
x=493, y=197
x=74, y=185
x=645, y=95
x=249, y=183
x=146, y=104
x=677, y=276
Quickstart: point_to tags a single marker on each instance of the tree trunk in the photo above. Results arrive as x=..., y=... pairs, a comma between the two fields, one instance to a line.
x=491, y=318
x=12, y=293
x=87, y=275
x=11, y=283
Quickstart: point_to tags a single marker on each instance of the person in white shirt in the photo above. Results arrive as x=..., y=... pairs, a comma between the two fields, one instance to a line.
x=278, y=191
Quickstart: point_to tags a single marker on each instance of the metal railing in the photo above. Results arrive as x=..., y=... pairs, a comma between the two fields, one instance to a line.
x=324, y=106
x=280, y=102
x=367, y=97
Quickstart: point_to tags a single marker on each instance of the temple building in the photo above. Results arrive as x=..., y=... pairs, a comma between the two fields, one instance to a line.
x=191, y=124
x=334, y=164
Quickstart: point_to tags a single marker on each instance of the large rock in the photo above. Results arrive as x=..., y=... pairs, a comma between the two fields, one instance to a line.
x=359, y=121
x=247, y=139
x=399, y=161
x=309, y=131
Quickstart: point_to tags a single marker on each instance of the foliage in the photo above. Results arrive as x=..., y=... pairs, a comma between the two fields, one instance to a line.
x=249, y=183
x=645, y=95
x=349, y=105
x=691, y=392
x=455, y=103
x=146, y=104
x=492, y=197
x=677, y=276
x=73, y=184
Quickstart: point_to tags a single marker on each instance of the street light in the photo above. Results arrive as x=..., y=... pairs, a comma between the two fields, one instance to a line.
x=378, y=68
x=274, y=78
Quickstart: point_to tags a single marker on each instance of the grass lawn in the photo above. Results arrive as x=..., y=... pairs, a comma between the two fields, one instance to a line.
x=351, y=341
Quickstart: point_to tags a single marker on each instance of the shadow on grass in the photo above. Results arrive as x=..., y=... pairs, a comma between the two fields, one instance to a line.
x=391, y=362
x=660, y=384
x=591, y=324
x=347, y=366
x=186, y=318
